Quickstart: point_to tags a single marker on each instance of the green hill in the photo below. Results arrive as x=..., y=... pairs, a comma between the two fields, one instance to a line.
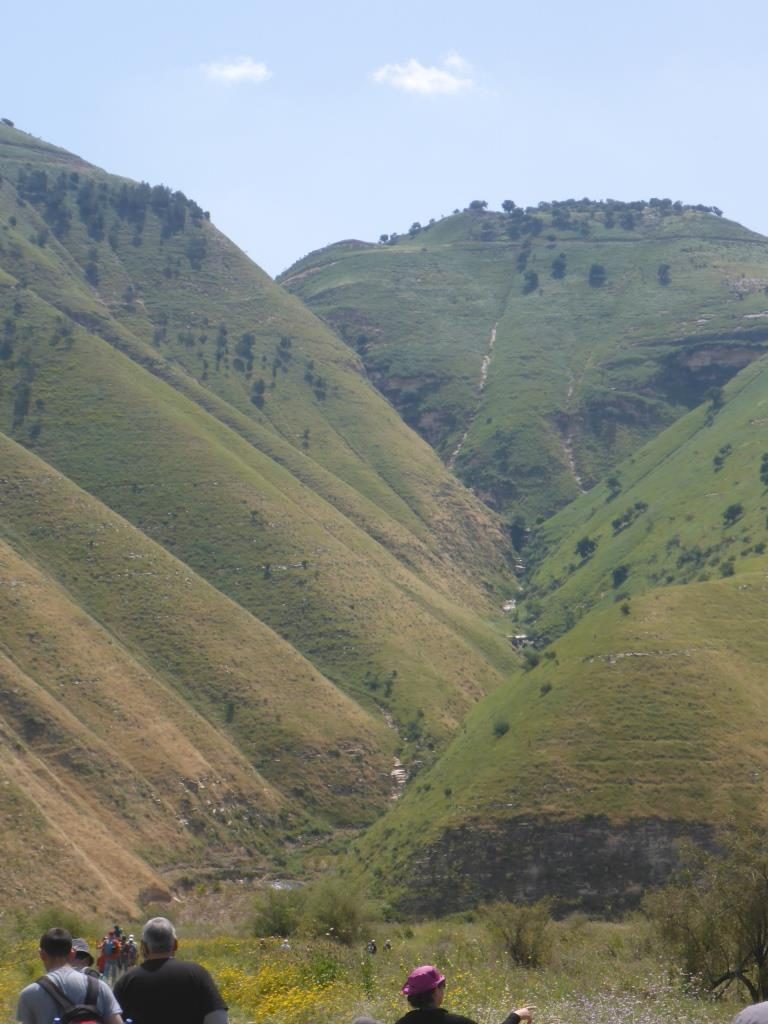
x=228, y=519
x=643, y=720
x=536, y=349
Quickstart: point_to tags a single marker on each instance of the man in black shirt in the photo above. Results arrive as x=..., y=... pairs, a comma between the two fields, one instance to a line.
x=163, y=989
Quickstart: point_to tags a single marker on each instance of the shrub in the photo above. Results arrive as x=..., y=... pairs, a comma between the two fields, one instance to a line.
x=713, y=919
x=619, y=575
x=597, y=275
x=585, y=547
x=523, y=930
x=278, y=912
x=335, y=909
x=530, y=282
x=733, y=513
x=530, y=660
x=500, y=728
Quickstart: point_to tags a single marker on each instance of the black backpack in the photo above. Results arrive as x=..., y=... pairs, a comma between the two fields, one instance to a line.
x=82, y=1013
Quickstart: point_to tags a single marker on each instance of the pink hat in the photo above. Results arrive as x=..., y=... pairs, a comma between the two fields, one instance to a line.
x=422, y=979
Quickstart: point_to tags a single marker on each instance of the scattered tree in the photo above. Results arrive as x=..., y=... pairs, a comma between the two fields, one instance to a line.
x=558, y=266
x=619, y=575
x=613, y=483
x=597, y=275
x=530, y=282
x=733, y=513
x=585, y=547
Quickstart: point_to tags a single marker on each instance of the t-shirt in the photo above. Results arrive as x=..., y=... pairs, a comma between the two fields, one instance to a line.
x=437, y=1015
x=756, y=1014
x=159, y=991
x=35, y=1006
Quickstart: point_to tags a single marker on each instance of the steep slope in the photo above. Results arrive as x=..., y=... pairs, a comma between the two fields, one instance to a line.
x=180, y=725
x=535, y=349
x=234, y=501
x=205, y=505
x=644, y=719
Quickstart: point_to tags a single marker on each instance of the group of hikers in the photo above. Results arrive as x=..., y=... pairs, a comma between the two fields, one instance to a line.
x=116, y=953
x=165, y=990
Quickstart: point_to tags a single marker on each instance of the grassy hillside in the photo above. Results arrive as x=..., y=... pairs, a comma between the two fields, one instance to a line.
x=690, y=506
x=577, y=778
x=535, y=349
x=197, y=474
x=640, y=714
x=175, y=718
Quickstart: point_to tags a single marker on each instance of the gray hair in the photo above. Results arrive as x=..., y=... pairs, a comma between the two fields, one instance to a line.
x=159, y=935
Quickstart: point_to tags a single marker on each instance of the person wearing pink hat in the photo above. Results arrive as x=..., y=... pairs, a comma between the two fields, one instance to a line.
x=425, y=989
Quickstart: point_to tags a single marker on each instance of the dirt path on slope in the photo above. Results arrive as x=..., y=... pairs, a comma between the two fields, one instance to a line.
x=485, y=366
x=567, y=437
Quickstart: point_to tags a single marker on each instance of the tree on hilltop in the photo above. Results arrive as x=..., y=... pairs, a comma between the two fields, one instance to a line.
x=508, y=206
x=478, y=204
x=558, y=266
x=597, y=275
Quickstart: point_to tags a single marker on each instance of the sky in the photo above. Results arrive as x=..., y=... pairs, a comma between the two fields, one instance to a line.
x=300, y=124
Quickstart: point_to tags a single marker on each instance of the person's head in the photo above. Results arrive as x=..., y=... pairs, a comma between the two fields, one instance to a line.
x=158, y=938
x=81, y=956
x=425, y=987
x=55, y=945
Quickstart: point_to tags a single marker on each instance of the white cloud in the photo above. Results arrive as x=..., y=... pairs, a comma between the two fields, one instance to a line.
x=456, y=62
x=243, y=69
x=413, y=76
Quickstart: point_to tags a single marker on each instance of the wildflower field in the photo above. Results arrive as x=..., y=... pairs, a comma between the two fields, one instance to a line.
x=598, y=973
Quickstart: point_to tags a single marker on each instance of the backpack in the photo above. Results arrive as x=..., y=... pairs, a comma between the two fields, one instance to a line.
x=82, y=1013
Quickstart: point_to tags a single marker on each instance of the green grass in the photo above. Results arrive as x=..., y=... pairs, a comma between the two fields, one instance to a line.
x=282, y=577
x=603, y=368
x=596, y=972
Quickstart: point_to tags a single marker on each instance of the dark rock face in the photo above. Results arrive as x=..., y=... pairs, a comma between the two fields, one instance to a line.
x=589, y=864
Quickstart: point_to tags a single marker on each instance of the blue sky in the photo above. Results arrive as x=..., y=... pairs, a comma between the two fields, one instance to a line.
x=299, y=124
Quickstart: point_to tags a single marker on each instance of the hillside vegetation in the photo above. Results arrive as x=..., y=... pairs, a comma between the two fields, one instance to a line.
x=640, y=715
x=535, y=349
x=212, y=524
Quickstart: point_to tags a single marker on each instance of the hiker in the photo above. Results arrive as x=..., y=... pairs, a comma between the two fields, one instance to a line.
x=425, y=989
x=163, y=989
x=81, y=958
x=755, y=1014
x=63, y=987
x=110, y=950
x=130, y=953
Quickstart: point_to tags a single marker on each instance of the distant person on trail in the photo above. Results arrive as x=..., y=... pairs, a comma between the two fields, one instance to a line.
x=110, y=950
x=425, y=989
x=755, y=1014
x=163, y=990
x=71, y=987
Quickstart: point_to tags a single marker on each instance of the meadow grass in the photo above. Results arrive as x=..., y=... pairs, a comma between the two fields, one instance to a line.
x=598, y=973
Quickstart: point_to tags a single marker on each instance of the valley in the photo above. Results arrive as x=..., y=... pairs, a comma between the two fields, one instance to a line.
x=439, y=561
